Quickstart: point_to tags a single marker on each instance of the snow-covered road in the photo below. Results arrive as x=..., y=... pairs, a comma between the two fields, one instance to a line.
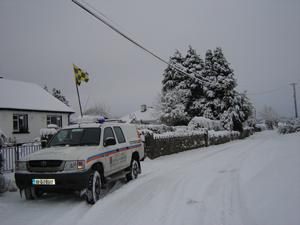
x=255, y=181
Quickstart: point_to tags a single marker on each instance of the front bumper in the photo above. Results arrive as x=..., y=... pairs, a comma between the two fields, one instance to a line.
x=63, y=181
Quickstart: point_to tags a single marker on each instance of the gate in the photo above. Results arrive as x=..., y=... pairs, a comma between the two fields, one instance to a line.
x=12, y=154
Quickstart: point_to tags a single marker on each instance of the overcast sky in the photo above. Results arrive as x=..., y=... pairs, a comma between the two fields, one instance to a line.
x=39, y=41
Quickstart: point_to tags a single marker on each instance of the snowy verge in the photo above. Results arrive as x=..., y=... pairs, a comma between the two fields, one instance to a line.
x=7, y=183
x=288, y=127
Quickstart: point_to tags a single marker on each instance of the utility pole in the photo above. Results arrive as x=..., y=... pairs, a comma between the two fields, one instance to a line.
x=295, y=100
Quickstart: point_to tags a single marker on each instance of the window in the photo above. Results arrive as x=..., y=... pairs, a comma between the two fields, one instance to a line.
x=108, y=132
x=54, y=119
x=119, y=134
x=20, y=123
x=91, y=136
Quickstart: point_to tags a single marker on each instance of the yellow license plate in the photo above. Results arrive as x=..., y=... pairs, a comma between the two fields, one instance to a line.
x=43, y=181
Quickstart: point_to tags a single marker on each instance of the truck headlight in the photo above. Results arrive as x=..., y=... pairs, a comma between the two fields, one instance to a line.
x=74, y=165
x=21, y=166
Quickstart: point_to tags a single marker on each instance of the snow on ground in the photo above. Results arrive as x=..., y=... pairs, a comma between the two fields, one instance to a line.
x=255, y=181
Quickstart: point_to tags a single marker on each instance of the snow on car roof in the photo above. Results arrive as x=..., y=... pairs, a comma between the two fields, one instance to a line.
x=28, y=96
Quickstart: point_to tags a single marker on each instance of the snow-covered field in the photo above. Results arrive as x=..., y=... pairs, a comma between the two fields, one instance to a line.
x=255, y=181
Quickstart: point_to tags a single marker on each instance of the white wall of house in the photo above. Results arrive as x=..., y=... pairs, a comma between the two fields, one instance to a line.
x=36, y=121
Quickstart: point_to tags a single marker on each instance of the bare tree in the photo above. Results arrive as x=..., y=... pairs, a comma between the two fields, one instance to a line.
x=57, y=93
x=98, y=109
x=270, y=116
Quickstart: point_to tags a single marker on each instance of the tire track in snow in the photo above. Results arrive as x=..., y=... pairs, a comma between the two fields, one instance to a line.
x=168, y=191
x=224, y=199
x=174, y=190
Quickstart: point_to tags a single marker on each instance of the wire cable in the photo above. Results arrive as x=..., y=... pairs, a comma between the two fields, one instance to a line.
x=137, y=43
x=268, y=91
x=105, y=16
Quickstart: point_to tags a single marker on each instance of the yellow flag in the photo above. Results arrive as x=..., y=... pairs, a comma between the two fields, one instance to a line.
x=80, y=75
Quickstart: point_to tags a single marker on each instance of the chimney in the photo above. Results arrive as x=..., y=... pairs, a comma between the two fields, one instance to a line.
x=143, y=108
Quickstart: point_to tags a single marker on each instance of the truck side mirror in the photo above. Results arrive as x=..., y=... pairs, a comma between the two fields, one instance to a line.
x=109, y=141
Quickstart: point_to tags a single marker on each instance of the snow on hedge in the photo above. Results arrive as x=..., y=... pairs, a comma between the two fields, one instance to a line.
x=50, y=130
x=202, y=122
x=180, y=134
x=222, y=133
x=290, y=126
x=153, y=128
x=261, y=126
x=187, y=133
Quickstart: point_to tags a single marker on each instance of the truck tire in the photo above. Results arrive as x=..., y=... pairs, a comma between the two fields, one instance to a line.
x=134, y=170
x=29, y=193
x=94, y=188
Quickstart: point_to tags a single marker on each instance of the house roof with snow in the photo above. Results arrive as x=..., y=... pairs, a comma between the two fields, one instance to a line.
x=18, y=95
x=145, y=114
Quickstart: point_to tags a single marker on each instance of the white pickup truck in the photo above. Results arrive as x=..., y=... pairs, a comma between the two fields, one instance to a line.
x=82, y=157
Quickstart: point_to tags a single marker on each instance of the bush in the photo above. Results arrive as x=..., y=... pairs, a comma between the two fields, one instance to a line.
x=290, y=126
x=202, y=122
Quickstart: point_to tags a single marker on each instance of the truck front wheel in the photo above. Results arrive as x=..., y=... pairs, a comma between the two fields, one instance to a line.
x=94, y=188
x=30, y=193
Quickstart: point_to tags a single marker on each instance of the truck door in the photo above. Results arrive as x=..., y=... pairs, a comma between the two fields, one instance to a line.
x=112, y=149
x=124, y=157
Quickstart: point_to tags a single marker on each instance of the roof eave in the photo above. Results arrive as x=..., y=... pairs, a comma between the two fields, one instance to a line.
x=37, y=110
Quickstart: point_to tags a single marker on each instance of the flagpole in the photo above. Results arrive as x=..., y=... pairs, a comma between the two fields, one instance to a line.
x=78, y=98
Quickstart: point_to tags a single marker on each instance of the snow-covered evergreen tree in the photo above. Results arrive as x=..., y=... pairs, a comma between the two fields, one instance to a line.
x=194, y=65
x=171, y=76
x=174, y=107
x=209, y=91
x=175, y=93
x=223, y=73
x=237, y=112
x=223, y=102
x=220, y=85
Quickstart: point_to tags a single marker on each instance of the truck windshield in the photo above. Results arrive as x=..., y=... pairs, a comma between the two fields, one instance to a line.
x=76, y=137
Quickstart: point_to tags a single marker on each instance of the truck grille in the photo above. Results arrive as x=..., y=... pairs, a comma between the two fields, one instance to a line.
x=45, y=165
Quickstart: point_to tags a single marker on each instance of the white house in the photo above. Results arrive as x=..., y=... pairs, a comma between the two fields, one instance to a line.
x=25, y=108
x=146, y=115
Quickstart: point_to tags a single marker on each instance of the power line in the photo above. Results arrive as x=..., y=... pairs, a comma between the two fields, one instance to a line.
x=135, y=42
x=270, y=90
x=105, y=16
x=267, y=91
